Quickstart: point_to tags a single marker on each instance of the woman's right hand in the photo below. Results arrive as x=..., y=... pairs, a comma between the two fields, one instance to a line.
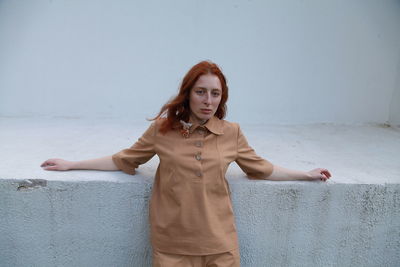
x=56, y=165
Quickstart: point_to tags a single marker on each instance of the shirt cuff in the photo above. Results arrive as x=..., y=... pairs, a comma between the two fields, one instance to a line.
x=122, y=165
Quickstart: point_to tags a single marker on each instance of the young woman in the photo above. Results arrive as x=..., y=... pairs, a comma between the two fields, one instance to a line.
x=191, y=215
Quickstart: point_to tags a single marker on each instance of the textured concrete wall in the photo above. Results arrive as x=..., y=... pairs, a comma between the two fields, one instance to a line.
x=298, y=224
x=74, y=224
x=286, y=61
x=99, y=218
x=100, y=223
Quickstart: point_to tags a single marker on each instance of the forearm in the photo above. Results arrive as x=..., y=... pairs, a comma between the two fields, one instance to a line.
x=104, y=164
x=283, y=174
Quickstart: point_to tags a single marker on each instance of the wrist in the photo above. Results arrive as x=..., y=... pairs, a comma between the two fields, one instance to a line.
x=72, y=165
x=307, y=176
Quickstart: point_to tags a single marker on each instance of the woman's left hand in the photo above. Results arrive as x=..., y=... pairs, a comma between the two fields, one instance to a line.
x=319, y=173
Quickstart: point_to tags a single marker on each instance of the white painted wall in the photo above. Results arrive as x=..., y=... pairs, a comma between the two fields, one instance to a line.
x=286, y=61
x=394, y=118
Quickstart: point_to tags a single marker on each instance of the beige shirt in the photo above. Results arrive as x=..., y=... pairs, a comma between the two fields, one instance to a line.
x=190, y=208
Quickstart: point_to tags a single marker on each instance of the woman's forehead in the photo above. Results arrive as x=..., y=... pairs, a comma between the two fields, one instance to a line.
x=208, y=81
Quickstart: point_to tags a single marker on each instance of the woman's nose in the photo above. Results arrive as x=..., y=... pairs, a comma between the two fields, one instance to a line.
x=207, y=98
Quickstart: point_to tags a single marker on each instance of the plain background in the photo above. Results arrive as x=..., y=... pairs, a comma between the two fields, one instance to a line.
x=287, y=62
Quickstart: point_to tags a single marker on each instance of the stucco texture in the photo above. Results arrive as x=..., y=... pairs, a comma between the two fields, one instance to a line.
x=99, y=218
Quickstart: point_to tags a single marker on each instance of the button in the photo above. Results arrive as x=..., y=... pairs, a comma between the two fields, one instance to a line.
x=198, y=156
x=201, y=131
x=199, y=143
x=199, y=174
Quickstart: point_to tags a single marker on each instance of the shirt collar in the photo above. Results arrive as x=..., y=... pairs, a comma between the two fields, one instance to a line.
x=214, y=125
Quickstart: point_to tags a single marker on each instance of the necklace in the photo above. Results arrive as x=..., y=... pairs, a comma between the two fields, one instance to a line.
x=185, y=128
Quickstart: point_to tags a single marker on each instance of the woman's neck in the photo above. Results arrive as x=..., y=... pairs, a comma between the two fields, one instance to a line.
x=199, y=121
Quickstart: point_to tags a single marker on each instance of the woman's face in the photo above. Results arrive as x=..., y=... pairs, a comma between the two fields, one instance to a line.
x=205, y=97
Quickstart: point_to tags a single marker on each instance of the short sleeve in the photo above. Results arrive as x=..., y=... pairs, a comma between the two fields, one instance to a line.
x=142, y=151
x=253, y=165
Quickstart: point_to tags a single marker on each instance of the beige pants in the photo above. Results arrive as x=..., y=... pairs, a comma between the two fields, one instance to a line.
x=226, y=259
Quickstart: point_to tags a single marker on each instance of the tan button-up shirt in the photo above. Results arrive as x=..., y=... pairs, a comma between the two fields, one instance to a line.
x=190, y=208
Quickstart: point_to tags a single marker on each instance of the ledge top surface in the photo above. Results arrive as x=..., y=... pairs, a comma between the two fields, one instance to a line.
x=355, y=154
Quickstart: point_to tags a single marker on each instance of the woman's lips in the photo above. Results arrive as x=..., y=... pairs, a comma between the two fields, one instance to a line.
x=206, y=111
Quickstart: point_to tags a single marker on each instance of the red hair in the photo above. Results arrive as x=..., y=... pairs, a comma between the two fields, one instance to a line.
x=178, y=108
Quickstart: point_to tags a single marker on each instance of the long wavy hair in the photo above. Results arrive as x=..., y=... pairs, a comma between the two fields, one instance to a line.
x=178, y=107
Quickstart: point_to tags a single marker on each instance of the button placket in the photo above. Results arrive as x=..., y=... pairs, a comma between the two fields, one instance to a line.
x=198, y=156
x=201, y=131
x=199, y=144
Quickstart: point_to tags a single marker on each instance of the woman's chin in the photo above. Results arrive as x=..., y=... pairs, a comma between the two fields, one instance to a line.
x=206, y=117
x=203, y=117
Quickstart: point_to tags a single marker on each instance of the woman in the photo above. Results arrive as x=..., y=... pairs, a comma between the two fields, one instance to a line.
x=191, y=215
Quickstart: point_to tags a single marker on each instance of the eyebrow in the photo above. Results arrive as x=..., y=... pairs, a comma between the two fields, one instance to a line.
x=207, y=89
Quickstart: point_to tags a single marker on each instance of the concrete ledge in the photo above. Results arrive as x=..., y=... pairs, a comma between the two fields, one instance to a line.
x=280, y=224
x=92, y=218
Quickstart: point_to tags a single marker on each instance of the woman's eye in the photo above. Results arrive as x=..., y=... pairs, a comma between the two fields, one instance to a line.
x=215, y=93
x=199, y=92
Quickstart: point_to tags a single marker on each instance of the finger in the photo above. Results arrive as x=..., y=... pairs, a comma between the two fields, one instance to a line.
x=323, y=171
x=323, y=177
x=327, y=173
x=44, y=163
x=326, y=176
x=48, y=162
x=51, y=168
